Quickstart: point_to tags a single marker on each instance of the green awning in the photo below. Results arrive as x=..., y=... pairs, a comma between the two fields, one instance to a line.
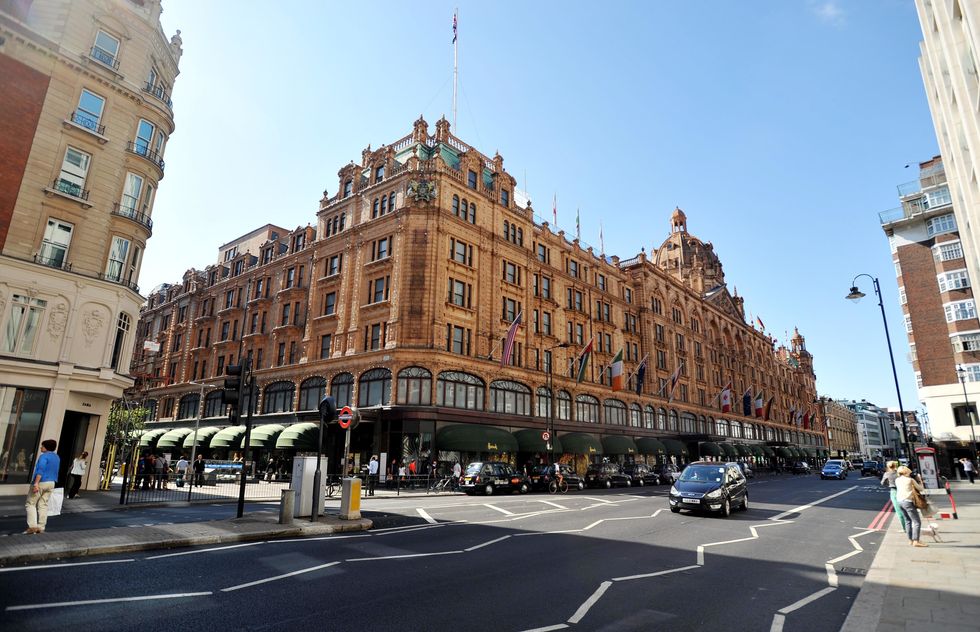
x=767, y=451
x=580, y=443
x=742, y=449
x=264, y=436
x=529, y=440
x=650, y=446
x=299, y=436
x=475, y=438
x=756, y=450
x=728, y=449
x=798, y=451
x=203, y=436
x=174, y=438
x=810, y=452
x=618, y=444
x=149, y=437
x=709, y=448
x=675, y=447
x=229, y=437
x=824, y=453
x=784, y=452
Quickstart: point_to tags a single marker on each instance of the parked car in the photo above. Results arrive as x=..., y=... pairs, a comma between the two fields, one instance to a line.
x=857, y=464
x=713, y=487
x=668, y=473
x=800, y=467
x=491, y=477
x=871, y=468
x=747, y=471
x=541, y=477
x=641, y=474
x=833, y=469
x=606, y=475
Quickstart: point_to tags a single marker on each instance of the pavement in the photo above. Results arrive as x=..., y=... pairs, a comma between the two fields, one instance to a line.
x=938, y=587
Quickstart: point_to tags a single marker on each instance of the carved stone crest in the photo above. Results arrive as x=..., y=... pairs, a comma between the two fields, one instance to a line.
x=92, y=322
x=57, y=321
x=422, y=190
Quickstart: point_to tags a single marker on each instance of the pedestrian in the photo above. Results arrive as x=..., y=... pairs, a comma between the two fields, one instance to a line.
x=182, y=466
x=906, y=490
x=888, y=479
x=270, y=469
x=199, y=471
x=372, y=474
x=42, y=484
x=412, y=470
x=78, y=467
x=457, y=471
x=160, y=471
x=969, y=469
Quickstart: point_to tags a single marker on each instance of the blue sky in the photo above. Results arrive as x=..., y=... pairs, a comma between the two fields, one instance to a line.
x=781, y=127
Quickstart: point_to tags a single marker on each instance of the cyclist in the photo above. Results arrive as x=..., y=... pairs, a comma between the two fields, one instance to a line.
x=557, y=472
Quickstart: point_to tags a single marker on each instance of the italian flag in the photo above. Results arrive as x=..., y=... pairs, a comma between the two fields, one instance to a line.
x=616, y=372
x=758, y=404
x=583, y=360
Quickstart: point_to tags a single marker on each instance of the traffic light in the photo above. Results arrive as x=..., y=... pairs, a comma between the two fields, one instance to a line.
x=328, y=409
x=233, y=385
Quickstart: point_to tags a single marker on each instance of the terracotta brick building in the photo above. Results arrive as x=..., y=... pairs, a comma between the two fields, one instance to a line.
x=398, y=302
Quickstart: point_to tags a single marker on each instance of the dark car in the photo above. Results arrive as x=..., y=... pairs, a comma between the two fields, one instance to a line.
x=668, y=473
x=606, y=475
x=871, y=468
x=490, y=477
x=641, y=474
x=713, y=487
x=800, y=467
x=541, y=477
x=833, y=469
x=857, y=464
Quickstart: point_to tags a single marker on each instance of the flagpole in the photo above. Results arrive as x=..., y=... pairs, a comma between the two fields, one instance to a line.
x=455, y=66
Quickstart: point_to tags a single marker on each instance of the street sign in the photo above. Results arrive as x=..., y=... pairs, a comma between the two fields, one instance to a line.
x=545, y=436
x=344, y=417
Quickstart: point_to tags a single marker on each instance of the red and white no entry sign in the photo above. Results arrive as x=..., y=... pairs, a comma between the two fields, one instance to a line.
x=545, y=435
x=344, y=417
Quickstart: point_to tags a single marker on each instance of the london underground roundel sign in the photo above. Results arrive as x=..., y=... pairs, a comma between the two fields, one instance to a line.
x=344, y=417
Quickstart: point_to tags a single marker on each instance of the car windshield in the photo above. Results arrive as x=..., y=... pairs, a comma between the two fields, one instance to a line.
x=542, y=469
x=474, y=468
x=703, y=473
x=831, y=466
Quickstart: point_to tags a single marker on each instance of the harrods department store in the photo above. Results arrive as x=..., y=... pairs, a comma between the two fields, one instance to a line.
x=398, y=301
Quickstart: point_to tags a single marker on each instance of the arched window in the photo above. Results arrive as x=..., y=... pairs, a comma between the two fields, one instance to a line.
x=736, y=429
x=649, y=417
x=587, y=409
x=278, y=398
x=688, y=423
x=661, y=419
x=311, y=391
x=214, y=404
x=770, y=435
x=636, y=414
x=188, y=406
x=343, y=220
x=341, y=389
x=374, y=388
x=391, y=201
x=614, y=412
x=472, y=212
x=672, y=421
x=456, y=389
x=509, y=397
x=250, y=401
x=711, y=425
x=384, y=205
x=464, y=210
x=456, y=205
x=723, y=428
x=415, y=386
x=122, y=327
x=542, y=402
x=564, y=406
x=374, y=208
x=506, y=229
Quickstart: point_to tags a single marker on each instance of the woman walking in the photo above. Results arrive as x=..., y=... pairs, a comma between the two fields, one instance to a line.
x=78, y=467
x=888, y=479
x=906, y=488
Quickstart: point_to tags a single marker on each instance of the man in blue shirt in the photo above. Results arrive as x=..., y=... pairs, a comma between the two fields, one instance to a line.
x=42, y=484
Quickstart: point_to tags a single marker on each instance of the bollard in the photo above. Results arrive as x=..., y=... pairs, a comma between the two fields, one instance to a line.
x=350, y=500
x=286, y=504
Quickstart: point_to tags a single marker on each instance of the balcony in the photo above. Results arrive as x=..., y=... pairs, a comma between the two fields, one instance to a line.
x=117, y=278
x=147, y=153
x=289, y=326
x=70, y=190
x=86, y=123
x=159, y=93
x=52, y=262
x=105, y=58
x=228, y=309
x=130, y=213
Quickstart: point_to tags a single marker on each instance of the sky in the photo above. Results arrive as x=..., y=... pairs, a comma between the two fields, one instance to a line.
x=780, y=127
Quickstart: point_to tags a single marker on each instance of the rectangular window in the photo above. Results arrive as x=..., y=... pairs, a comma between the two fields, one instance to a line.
x=658, y=333
x=960, y=310
x=966, y=342
x=546, y=323
x=329, y=303
x=289, y=278
x=285, y=315
x=457, y=340
x=74, y=170
x=942, y=224
x=106, y=49
x=628, y=295
x=544, y=255
x=54, y=247
x=325, y=346
x=947, y=251
x=573, y=268
x=545, y=287
x=380, y=290
x=144, y=137
x=954, y=280
x=459, y=293
x=512, y=274
x=292, y=352
x=579, y=333
x=375, y=339
x=23, y=324
x=334, y=264
x=281, y=354
x=600, y=281
x=89, y=112
x=118, y=255
x=461, y=252
x=656, y=305
x=510, y=309
x=132, y=191
x=505, y=197
x=471, y=179
x=381, y=248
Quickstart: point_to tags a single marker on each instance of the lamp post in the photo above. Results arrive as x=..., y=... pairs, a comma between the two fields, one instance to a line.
x=551, y=391
x=961, y=373
x=856, y=295
x=197, y=426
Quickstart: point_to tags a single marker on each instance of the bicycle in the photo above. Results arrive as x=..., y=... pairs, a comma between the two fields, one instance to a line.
x=333, y=487
x=443, y=485
x=560, y=485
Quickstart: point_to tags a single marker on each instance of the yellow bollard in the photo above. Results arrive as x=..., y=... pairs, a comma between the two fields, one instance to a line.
x=350, y=500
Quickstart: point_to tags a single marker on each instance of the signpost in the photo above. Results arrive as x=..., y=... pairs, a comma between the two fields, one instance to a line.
x=344, y=419
x=546, y=436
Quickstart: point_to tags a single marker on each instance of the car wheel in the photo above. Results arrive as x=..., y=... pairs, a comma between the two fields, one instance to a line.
x=581, y=485
x=745, y=503
x=726, y=508
x=524, y=488
x=640, y=482
x=608, y=483
x=488, y=490
x=629, y=483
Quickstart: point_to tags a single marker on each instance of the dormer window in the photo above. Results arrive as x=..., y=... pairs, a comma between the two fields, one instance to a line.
x=471, y=179
x=348, y=188
x=505, y=197
x=379, y=174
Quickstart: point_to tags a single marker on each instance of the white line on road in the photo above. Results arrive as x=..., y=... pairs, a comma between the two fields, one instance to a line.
x=480, y=546
x=598, y=500
x=277, y=577
x=802, y=602
x=816, y=502
x=89, y=602
x=34, y=568
x=426, y=516
x=550, y=628
x=591, y=601
x=217, y=548
x=500, y=509
x=401, y=557
x=777, y=623
x=657, y=574
x=324, y=537
x=548, y=502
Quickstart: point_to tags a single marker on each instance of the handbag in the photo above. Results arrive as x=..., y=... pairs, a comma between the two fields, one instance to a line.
x=918, y=499
x=55, y=501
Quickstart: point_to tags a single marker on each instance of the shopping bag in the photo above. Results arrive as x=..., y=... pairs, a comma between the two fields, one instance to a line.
x=55, y=501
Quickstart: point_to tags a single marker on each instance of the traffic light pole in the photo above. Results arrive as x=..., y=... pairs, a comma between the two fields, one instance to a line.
x=247, y=383
x=328, y=410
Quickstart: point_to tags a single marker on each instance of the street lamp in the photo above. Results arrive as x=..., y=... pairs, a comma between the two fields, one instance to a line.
x=554, y=397
x=961, y=373
x=197, y=426
x=856, y=295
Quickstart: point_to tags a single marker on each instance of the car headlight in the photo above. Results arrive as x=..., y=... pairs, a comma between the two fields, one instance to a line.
x=673, y=491
x=715, y=494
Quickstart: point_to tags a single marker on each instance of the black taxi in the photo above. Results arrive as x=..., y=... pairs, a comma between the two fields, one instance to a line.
x=711, y=487
x=490, y=477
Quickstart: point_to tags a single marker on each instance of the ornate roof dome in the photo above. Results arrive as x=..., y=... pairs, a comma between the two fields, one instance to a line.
x=689, y=259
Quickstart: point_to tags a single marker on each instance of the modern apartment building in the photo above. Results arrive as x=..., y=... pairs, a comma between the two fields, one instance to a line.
x=85, y=115
x=399, y=300
x=842, y=431
x=877, y=436
x=936, y=293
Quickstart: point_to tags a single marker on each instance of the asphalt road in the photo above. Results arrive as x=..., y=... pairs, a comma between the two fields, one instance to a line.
x=609, y=560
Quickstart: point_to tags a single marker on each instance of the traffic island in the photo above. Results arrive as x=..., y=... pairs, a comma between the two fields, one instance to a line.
x=53, y=545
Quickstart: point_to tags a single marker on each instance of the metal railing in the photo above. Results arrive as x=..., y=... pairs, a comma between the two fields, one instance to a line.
x=104, y=57
x=112, y=278
x=220, y=483
x=145, y=152
x=70, y=188
x=159, y=93
x=52, y=262
x=87, y=122
x=133, y=214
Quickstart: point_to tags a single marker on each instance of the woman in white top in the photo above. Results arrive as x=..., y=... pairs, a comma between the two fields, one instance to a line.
x=904, y=485
x=78, y=467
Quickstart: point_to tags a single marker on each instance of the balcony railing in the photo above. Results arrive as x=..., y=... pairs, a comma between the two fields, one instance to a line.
x=52, y=262
x=70, y=188
x=159, y=93
x=133, y=214
x=112, y=278
x=89, y=123
x=145, y=152
x=909, y=188
x=104, y=57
